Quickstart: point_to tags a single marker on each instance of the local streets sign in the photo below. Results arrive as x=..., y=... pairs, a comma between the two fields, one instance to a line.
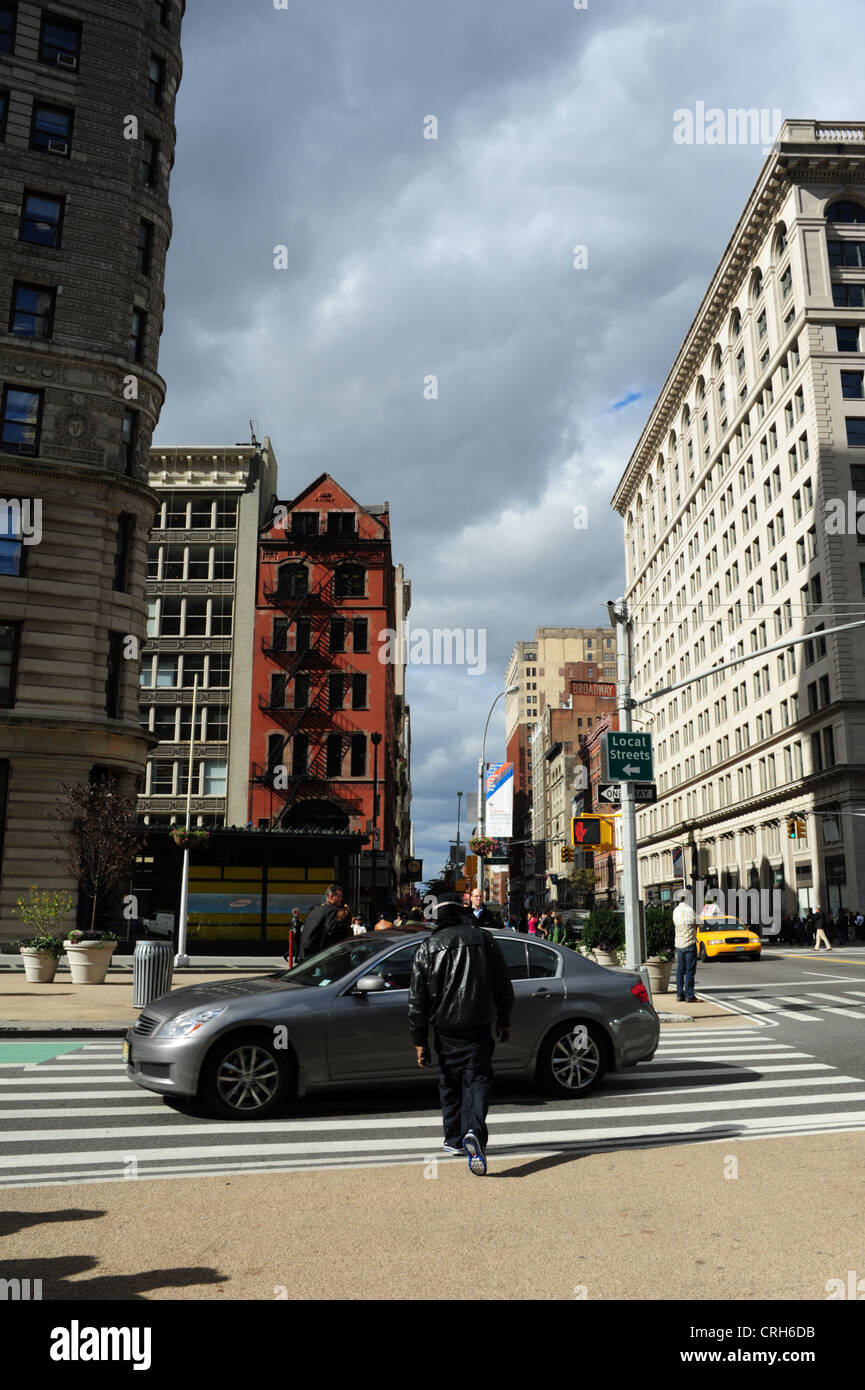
x=627, y=757
x=645, y=793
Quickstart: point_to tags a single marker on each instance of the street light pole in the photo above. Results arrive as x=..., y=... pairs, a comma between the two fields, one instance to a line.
x=633, y=954
x=511, y=690
x=459, y=808
x=376, y=740
x=182, y=958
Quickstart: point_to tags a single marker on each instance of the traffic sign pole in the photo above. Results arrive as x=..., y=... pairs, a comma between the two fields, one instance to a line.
x=630, y=884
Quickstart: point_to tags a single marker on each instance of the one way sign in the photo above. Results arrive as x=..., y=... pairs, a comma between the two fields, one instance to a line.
x=645, y=793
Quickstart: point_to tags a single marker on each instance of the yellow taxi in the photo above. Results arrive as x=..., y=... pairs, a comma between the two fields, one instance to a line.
x=724, y=938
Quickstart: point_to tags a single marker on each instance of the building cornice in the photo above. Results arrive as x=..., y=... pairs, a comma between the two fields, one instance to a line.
x=804, y=149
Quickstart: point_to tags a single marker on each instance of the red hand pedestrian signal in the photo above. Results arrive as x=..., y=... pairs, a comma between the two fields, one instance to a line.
x=587, y=830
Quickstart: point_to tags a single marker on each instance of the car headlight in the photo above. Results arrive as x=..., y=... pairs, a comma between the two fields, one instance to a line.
x=716, y=941
x=184, y=1025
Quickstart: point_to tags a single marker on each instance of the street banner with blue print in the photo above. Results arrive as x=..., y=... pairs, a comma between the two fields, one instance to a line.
x=499, y=799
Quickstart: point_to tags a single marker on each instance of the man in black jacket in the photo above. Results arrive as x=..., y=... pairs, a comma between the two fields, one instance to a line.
x=459, y=981
x=482, y=915
x=320, y=925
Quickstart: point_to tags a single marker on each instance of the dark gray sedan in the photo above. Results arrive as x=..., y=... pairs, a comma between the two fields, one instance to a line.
x=341, y=1019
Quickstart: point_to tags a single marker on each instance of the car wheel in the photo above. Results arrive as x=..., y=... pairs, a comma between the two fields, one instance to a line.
x=245, y=1078
x=570, y=1064
x=704, y=955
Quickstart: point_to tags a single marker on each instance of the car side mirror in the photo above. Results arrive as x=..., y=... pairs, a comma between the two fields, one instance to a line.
x=369, y=984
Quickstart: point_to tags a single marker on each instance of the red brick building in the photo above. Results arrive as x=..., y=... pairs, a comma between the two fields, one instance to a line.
x=326, y=593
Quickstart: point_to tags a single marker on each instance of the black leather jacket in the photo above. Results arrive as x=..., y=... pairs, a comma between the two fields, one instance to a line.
x=459, y=982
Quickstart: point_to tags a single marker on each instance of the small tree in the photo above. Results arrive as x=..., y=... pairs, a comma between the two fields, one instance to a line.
x=98, y=831
x=583, y=882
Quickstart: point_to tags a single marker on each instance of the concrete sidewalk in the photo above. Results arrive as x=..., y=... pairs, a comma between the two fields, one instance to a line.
x=731, y=1220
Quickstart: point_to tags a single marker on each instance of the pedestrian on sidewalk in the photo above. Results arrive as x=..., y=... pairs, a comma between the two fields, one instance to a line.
x=685, y=923
x=321, y=923
x=459, y=982
x=819, y=933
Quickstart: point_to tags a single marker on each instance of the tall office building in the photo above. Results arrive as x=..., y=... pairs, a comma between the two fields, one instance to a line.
x=201, y=574
x=87, y=94
x=740, y=509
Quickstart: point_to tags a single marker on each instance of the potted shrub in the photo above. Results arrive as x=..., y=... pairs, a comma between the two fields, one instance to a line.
x=40, y=955
x=603, y=935
x=43, y=911
x=89, y=955
x=194, y=838
x=660, y=947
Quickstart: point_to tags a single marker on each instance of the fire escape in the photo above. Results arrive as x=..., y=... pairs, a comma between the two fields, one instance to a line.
x=292, y=776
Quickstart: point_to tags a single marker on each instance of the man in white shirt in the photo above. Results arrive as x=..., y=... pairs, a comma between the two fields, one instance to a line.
x=685, y=923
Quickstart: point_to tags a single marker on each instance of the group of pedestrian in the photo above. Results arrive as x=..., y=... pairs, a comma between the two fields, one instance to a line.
x=816, y=927
x=333, y=921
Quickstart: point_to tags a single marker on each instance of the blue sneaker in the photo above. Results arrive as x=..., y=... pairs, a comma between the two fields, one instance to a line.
x=452, y=1146
x=477, y=1158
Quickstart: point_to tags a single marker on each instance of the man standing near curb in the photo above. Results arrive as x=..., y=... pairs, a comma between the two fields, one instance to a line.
x=482, y=915
x=321, y=923
x=459, y=980
x=685, y=923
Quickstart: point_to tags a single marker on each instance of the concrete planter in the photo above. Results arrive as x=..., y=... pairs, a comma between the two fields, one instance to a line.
x=659, y=972
x=89, y=960
x=39, y=967
x=604, y=957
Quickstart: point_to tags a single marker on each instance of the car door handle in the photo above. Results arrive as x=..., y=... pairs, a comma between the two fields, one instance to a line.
x=541, y=993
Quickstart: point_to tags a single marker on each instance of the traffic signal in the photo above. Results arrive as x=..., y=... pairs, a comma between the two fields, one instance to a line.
x=801, y=828
x=592, y=832
x=567, y=854
x=792, y=825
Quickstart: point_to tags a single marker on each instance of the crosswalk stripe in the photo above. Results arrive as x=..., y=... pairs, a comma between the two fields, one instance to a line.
x=92, y=1112
x=94, y=1135
x=849, y=1012
x=852, y=1119
x=802, y=1003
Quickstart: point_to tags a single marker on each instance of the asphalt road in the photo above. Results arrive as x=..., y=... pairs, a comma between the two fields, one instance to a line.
x=68, y=1113
x=810, y=999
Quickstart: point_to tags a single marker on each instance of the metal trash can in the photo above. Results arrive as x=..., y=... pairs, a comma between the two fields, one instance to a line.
x=152, y=968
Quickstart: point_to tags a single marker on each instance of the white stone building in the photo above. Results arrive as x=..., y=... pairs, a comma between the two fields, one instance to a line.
x=731, y=500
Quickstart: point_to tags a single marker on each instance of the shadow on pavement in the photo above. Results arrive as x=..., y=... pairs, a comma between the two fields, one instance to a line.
x=59, y=1285
x=12, y=1221
x=574, y=1150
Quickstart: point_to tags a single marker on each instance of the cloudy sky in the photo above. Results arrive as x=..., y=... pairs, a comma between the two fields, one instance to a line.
x=410, y=258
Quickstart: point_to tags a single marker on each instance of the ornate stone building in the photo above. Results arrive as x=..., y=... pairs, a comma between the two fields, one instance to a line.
x=87, y=100
x=731, y=502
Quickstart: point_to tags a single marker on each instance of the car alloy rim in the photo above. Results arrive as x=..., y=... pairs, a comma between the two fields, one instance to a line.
x=573, y=1066
x=248, y=1078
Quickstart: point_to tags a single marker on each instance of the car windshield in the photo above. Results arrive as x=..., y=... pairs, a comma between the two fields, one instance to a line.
x=334, y=963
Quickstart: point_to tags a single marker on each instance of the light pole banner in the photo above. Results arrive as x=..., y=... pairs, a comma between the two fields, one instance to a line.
x=679, y=862
x=499, y=799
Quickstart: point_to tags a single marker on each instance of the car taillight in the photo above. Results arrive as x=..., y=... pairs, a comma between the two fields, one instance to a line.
x=641, y=992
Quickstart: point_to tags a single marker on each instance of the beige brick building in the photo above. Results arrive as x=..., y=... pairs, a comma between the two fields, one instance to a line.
x=730, y=503
x=87, y=98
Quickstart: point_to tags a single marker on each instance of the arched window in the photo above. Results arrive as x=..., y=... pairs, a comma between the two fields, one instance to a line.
x=845, y=211
x=350, y=582
x=735, y=325
x=756, y=286
x=293, y=581
x=780, y=245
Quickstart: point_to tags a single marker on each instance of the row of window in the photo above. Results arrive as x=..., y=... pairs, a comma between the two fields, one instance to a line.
x=309, y=524
x=197, y=511
x=305, y=758
x=10, y=642
x=60, y=37
x=21, y=425
x=338, y=632
x=349, y=581
x=173, y=723
x=167, y=670
x=305, y=698
x=33, y=306
x=209, y=777
x=13, y=550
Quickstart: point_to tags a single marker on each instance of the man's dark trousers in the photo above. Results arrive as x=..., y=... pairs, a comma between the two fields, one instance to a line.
x=686, y=967
x=465, y=1082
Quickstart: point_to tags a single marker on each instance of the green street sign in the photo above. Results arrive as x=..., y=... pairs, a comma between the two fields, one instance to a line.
x=627, y=757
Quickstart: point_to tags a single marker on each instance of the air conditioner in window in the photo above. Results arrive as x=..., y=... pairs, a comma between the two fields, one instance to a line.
x=67, y=60
x=26, y=448
x=58, y=147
